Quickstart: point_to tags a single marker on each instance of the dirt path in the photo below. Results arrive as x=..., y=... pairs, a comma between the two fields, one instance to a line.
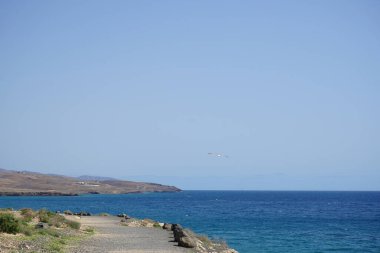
x=111, y=236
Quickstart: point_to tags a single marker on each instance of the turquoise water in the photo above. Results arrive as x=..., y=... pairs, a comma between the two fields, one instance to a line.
x=250, y=221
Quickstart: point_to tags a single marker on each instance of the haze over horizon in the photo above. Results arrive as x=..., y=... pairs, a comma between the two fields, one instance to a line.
x=144, y=90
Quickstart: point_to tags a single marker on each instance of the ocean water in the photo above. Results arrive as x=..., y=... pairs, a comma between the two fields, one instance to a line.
x=250, y=221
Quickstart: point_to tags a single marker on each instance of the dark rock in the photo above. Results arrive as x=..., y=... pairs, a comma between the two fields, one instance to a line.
x=42, y=225
x=82, y=214
x=123, y=215
x=184, y=237
x=167, y=226
x=68, y=212
x=177, y=232
x=174, y=226
x=187, y=241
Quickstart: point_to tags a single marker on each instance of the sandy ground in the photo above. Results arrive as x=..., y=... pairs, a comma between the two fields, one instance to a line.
x=111, y=236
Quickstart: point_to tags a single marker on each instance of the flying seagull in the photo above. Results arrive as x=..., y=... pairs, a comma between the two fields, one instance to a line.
x=219, y=155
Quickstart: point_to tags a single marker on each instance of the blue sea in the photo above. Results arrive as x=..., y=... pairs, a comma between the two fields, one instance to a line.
x=250, y=221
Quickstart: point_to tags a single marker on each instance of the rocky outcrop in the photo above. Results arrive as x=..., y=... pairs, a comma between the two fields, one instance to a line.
x=187, y=240
x=201, y=244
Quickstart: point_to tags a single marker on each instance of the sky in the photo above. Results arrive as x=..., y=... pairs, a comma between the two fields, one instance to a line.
x=144, y=90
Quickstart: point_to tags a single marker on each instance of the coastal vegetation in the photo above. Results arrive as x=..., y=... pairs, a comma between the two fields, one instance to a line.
x=9, y=224
x=104, y=214
x=28, y=230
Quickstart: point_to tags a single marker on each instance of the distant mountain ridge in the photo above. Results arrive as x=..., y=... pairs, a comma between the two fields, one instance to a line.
x=26, y=183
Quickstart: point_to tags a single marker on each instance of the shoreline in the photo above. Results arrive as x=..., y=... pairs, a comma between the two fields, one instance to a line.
x=167, y=237
x=63, y=194
x=101, y=233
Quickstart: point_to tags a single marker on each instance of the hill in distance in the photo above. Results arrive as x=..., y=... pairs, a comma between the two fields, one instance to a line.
x=25, y=183
x=94, y=178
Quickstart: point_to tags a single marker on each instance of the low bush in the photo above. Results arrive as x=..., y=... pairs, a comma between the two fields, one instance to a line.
x=90, y=230
x=156, y=225
x=44, y=215
x=9, y=224
x=73, y=224
x=27, y=230
x=56, y=220
x=28, y=214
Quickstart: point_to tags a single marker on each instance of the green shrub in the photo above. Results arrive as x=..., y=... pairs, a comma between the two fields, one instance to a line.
x=56, y=220
x=42, y=231
x=44, y=215
x=24, y=211
x=9, y=224
x=54, y=246
x=28, y=214
x=26, y=230
x=53, y=232
x=90, y=230
x=73, y=224
x=104, y=214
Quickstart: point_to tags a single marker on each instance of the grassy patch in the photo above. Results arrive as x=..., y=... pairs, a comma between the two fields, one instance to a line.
x=56, y=245
x=90, y=230
x=157, y=225
x=73, y=224
x=9, y=224
x=28, y=214
x=53, y=236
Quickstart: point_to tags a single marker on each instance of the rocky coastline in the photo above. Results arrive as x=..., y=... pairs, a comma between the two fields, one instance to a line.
x=46, y=231
x=37, y=194
x=182, y=236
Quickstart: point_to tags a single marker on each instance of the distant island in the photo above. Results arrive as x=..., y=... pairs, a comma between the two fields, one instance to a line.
x=26, y=183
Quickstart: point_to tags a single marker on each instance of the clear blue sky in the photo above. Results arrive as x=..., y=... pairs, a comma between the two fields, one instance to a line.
x=143, y=90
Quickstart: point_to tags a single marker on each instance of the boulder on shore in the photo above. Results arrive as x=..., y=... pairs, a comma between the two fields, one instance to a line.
x=42, y=225
x=83, y=214
x=123, y=215
x=167, y=226
x=187, y=240
x=177, y=232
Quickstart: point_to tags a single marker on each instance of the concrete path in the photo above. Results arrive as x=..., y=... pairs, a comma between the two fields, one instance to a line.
x=111, y=236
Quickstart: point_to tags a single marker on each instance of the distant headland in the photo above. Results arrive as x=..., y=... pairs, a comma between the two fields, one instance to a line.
x=26, y=183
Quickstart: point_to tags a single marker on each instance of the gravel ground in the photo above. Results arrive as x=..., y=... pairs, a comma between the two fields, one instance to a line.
x=111, y=236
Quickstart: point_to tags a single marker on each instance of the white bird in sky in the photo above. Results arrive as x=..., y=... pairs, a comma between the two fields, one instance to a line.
x=219, y=155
